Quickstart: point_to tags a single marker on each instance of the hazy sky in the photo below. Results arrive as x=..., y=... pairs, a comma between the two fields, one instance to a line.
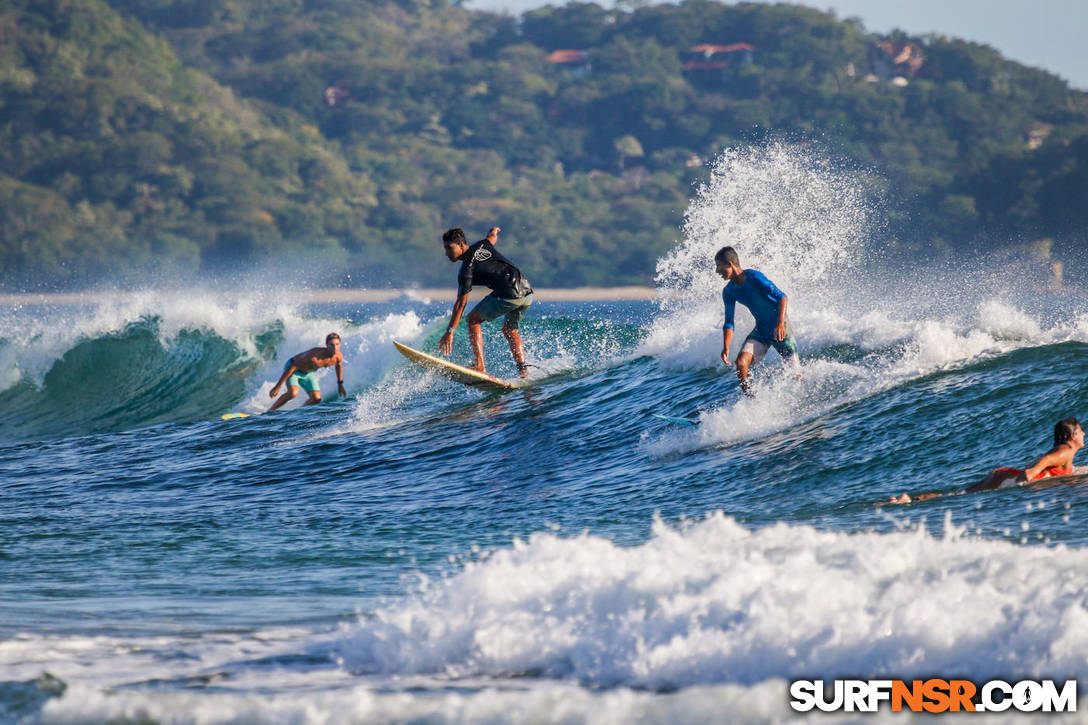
x=1050, y=34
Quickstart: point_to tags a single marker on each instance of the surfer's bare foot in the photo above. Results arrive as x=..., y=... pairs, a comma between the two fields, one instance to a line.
x=478, y=368
x=904, y=498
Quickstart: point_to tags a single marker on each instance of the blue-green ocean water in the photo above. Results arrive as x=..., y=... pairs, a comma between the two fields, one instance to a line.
x=421, y=552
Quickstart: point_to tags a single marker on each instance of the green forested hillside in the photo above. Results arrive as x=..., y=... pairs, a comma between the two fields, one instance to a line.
x=341, y=137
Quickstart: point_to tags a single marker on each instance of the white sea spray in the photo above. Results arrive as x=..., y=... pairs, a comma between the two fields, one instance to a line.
x=703, y=617
x=809, y=225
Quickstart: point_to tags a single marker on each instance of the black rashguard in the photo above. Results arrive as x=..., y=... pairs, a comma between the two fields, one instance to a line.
x=483, y=264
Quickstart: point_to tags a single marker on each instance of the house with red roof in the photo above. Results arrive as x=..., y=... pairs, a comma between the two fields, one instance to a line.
x=890, y=61
x=716, y=62
x=577, y=62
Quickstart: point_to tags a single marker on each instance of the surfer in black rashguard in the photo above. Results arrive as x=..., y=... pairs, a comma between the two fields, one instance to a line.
x=510, y=296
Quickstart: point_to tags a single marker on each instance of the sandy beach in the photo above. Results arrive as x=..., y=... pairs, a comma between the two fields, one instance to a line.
x=575, y=294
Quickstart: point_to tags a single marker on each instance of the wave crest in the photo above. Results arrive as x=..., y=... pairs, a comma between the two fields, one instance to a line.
x=714, y=602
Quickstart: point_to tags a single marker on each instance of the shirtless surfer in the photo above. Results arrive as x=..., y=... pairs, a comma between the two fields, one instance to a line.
x=300, y=372
x=510, y=295
x=1058, y=461
x=767, y=304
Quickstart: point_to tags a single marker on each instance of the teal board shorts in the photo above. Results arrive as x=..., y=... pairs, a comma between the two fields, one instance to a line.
x=306, y=381
x=492, y=306
x=757, y=346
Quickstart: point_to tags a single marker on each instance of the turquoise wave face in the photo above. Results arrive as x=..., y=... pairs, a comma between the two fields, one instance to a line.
x=131, y=379
x=137, y=376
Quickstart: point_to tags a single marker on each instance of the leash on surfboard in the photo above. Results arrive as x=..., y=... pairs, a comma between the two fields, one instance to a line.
x=547, y=371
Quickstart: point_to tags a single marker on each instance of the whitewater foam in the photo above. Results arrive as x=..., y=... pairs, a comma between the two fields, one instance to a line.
x=806, y=224
x=712, y=611
x=789, y=214
x=715, y=602
x=550, y=703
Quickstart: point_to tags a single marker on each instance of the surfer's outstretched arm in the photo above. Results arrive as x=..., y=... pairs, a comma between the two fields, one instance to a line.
x=1059, y=457
x=727, y=337
x=287, y=372
x=780, y=331
x=339, y=368
x=446, y=343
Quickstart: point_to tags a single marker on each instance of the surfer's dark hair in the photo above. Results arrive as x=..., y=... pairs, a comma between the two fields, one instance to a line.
x=454, y=236
x=1064, y=430
x=727, y=254
x=330, y=336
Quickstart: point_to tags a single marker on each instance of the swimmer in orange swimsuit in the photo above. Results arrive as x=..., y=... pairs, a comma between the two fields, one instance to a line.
x=1058, y=461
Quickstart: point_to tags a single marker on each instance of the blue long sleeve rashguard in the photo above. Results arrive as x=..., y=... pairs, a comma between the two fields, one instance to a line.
x=761, y=297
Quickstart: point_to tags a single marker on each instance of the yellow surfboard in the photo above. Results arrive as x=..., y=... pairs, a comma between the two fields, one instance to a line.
x=457, y=373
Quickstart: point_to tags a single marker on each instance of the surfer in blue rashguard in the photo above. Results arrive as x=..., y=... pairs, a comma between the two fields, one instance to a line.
x=767, y=304
x=510, y=296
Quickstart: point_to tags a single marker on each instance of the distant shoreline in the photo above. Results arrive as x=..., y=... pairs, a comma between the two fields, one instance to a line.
x=448, y=294
x=555, y=294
